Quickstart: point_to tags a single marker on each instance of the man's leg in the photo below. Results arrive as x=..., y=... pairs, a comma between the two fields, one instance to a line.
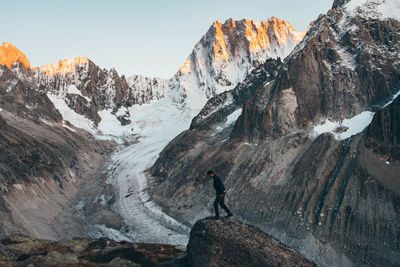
x=222, y=204
x=216, y=206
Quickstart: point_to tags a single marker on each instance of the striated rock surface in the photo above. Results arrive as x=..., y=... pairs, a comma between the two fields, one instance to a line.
x=383, y=135
x=227, y=242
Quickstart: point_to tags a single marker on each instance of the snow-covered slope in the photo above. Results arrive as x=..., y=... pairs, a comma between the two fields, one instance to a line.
x=377, y=9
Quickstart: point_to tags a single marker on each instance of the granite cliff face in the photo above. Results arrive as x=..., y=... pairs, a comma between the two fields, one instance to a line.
x=292, y=149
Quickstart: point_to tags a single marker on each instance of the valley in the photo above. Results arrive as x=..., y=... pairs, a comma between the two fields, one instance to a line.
x=303, y=127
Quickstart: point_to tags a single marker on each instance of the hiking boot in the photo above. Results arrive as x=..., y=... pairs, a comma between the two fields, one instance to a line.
x=215, y=218
x=229, y=215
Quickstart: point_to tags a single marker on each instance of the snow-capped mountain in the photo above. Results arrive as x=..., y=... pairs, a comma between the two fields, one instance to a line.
x=220, y=60
x=227, y=53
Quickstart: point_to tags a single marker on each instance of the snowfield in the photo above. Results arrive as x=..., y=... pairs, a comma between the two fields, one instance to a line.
x=348, y=127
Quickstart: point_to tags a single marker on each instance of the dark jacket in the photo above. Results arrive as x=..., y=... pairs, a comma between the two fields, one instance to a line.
x=218, y=185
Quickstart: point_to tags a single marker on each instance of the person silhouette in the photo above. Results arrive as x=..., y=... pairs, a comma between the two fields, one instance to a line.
x=220, y=191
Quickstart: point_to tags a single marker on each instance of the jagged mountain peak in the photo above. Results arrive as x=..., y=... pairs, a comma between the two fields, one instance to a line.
x=228, y=52
x=260, y=35
x=9, y=54
x=64, y=66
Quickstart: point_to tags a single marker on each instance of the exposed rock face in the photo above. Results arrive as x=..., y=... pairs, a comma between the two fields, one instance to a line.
x=87, y=89
x=227, y=242
x=342, y=69
x=23, y=100
x=43, y=161
x=19, y=250
x=336, y=201
x=9, y=55
x=383, y=135
x=42, y=167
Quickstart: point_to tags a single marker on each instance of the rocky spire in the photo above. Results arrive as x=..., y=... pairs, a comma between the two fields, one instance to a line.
x=9, y=54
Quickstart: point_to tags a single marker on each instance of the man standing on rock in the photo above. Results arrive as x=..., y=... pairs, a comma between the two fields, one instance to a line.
x=220, y=190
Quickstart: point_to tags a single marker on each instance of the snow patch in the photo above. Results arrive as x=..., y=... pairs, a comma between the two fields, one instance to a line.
x=232, y=118
x=380, y=9
x=347, y=59
x=18, y=186
x=391, y=101
x=69, y=128
x=110, y=125
x=346, y=128
x=349, y=127
x=72, y=89
x=70, y=115
x=47, y=122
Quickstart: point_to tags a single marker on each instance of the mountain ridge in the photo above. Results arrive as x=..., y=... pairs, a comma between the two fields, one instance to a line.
x=219, y=61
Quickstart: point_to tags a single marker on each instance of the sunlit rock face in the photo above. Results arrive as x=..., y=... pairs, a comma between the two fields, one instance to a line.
x=9, y=54
x=64, y=66
x=229, y=51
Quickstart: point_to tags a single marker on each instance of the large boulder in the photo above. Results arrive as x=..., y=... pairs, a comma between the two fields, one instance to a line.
x=228, y=242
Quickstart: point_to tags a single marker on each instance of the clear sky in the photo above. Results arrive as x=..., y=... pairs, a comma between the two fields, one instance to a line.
x=148, y=37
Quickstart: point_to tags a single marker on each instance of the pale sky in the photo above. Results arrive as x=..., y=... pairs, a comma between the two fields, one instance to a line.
x=151, y=37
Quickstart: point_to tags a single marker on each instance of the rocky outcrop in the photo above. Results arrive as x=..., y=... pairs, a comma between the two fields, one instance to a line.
x=383, y=135
x=227, y=242
x=21, y=98
x=20, y=250
x=223, y=242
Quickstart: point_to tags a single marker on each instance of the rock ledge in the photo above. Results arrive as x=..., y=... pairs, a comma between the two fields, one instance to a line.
x=228, y=242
